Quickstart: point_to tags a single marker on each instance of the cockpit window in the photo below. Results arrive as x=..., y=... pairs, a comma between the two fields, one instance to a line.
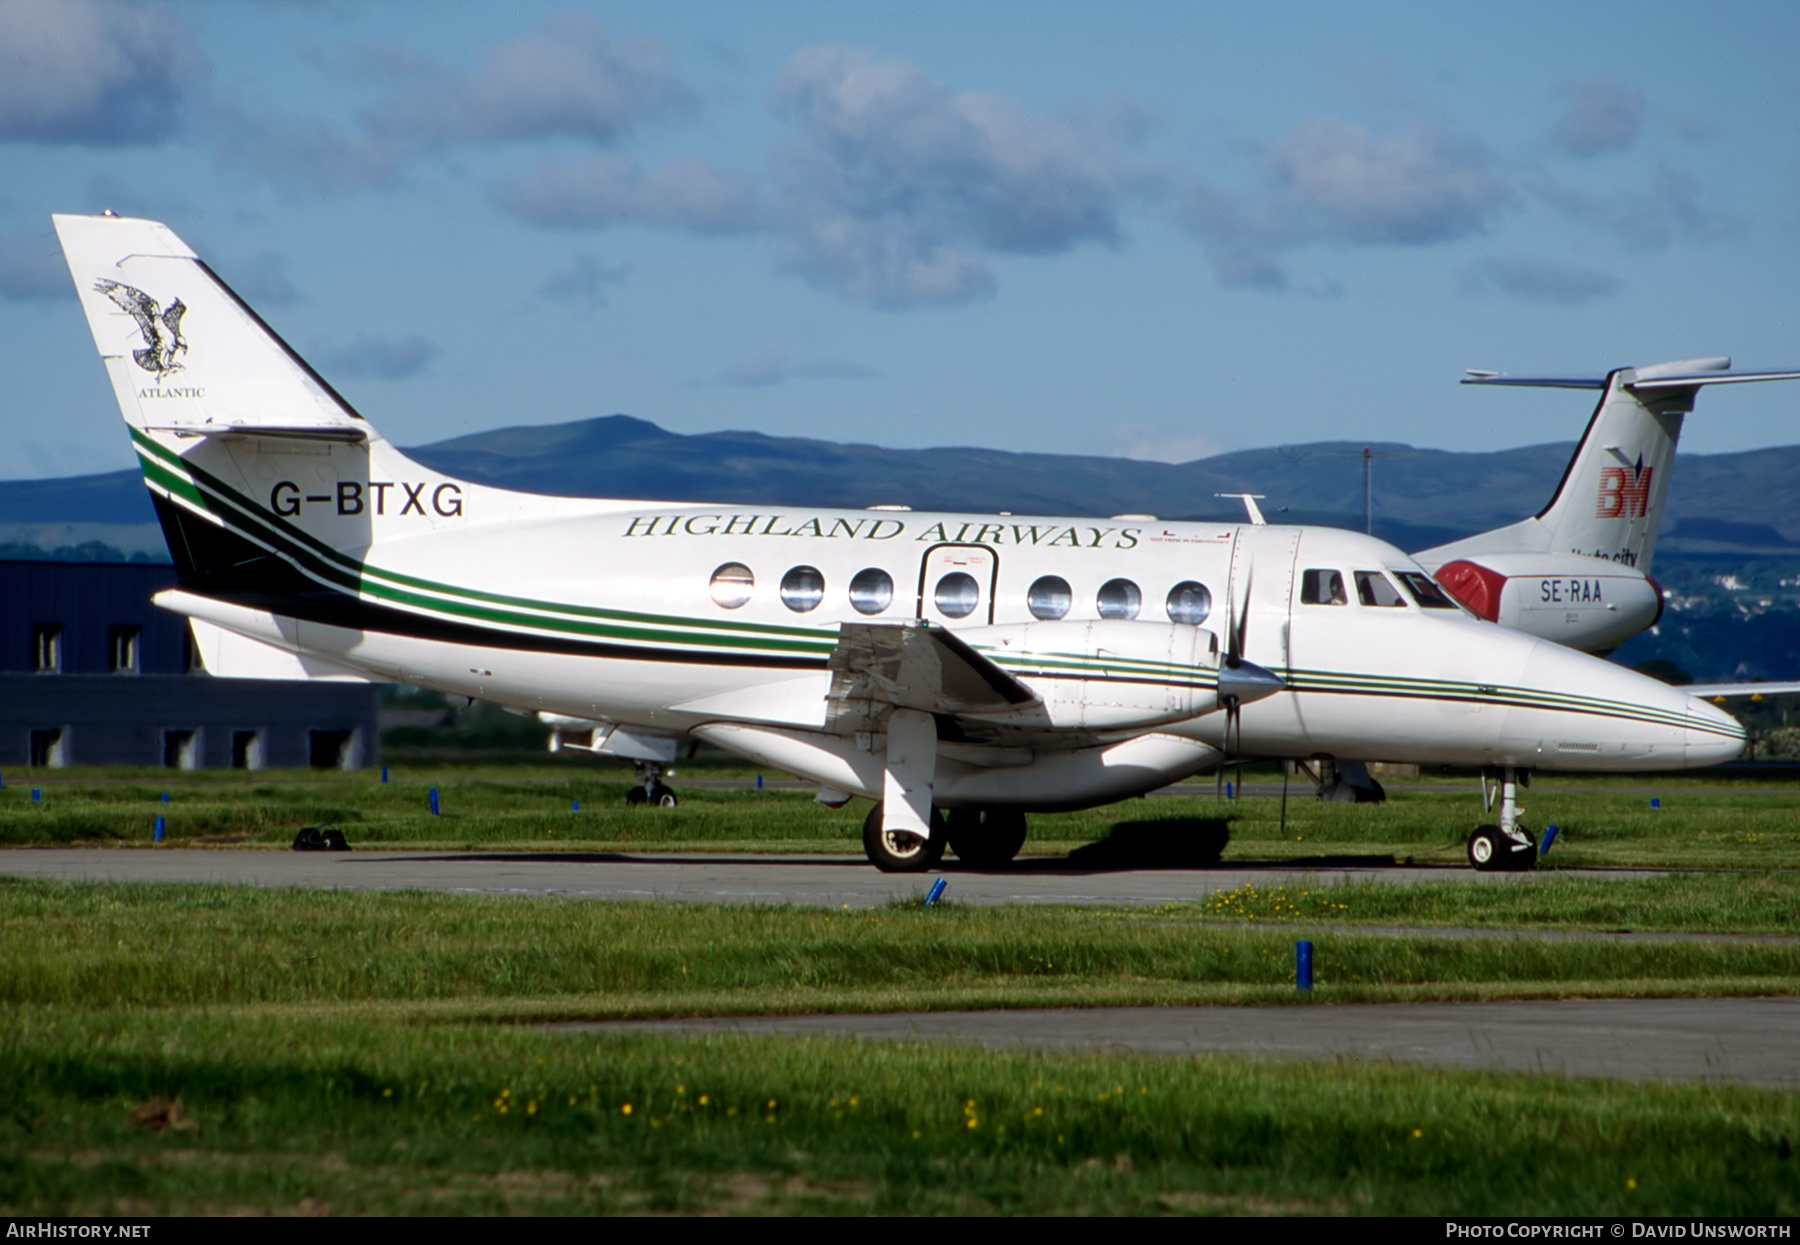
x=1373, y=588
x=1321, y=587
x=1425, y=590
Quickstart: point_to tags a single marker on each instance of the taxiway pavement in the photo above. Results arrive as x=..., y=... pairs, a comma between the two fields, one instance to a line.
x=721, y=878
x=1747, y=1041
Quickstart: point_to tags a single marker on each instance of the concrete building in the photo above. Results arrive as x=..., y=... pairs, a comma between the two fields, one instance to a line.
x=91, y=673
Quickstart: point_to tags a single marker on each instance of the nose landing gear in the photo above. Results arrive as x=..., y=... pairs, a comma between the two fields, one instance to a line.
x=1507, y=846
x=650, y=789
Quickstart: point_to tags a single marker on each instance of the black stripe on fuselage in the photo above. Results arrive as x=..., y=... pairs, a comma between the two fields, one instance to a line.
x=313, y=604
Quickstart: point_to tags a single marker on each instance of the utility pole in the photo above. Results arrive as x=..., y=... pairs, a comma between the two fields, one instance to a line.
x=1368, y=493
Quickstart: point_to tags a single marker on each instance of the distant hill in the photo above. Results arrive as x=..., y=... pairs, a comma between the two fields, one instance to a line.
x=1719, y=503
x=1729, y=553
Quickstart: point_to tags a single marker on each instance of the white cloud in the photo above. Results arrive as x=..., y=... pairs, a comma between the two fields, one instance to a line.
x=1545, y=281
x=1604, y=114
x=1157, y=445
x=1671, y=208
x=1327, y=181
x=894, y=188
x=570, y=77
x=99, y=72
x=762, y=371
x=260, y=280
x=583, y=284
x=374, y=355
x=610, y=189
x=31, y=266
x=301, y=152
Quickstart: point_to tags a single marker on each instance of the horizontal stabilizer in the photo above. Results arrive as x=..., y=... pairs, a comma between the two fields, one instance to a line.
x=1718, y=378
x=228, y=655
x=1536, y=382
x=1677, y=374
x=1737, y=691
x=290, y=432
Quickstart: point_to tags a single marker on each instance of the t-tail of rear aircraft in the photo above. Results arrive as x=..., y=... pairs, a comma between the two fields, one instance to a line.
x=1541, y=574
x=1610, y=498
x=267, y=482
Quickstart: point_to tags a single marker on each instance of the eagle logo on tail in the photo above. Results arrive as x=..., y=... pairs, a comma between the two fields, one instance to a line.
x=163, y=343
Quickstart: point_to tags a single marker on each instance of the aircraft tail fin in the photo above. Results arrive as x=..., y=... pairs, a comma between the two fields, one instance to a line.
x=184, y=353
x=1610, y=499
x=266, y=481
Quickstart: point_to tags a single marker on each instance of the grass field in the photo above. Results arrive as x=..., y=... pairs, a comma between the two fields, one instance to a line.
x=205, y=1049
x=1702, y=823
x=201, y=1049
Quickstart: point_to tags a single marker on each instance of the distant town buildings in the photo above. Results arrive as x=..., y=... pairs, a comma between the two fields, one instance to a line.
x=91, y=673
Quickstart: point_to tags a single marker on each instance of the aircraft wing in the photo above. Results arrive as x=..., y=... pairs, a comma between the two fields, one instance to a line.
x=914, y=665
x=1733, y=691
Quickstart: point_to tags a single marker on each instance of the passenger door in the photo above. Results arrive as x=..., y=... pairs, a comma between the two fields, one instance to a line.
x=956, y=585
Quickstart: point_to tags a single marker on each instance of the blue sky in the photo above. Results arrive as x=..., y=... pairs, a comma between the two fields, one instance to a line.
x=1159, y=230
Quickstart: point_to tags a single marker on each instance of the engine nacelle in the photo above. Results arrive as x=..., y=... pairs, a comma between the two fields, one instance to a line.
x=1108, y=674
x=1585, y=603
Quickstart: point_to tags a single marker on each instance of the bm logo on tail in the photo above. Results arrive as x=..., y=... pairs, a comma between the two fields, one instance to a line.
x=1624, y=492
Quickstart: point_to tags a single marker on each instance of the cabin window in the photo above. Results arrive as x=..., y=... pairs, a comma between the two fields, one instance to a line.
x=1119, y=598
x=871, y=591
x=957, y=595
x=1425, y=591
x=802, y=589
x=1189, y=603
x=1373, y=588
x=1049, y=598
x=1322, y=587
x=731, y=585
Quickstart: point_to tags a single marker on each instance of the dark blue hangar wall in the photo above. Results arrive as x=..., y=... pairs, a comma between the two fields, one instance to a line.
x=91, y=673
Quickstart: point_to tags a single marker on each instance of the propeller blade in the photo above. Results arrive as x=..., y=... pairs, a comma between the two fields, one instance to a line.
x=1240, y=622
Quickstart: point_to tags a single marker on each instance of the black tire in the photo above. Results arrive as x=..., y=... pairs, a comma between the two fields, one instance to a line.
x=334, y=840
x=1488, y=849
x=1494, y=852
x=1521, y=859
x=902, y=853
x=658, y=796
x=985, y=838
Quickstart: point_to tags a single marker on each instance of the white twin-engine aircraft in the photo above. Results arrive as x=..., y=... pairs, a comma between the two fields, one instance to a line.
x=979, y=666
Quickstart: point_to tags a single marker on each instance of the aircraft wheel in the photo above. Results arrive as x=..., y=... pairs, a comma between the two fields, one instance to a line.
x=900, y=852
x=985, y=838
x=1520, y=859
x=1488, y=849
x=636, y=796
x=662, y=797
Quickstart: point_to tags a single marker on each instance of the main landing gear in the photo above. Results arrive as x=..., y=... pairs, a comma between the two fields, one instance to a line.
x=901, y=851
x=1507, y=846
x=650, y=789
x=984, y=838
